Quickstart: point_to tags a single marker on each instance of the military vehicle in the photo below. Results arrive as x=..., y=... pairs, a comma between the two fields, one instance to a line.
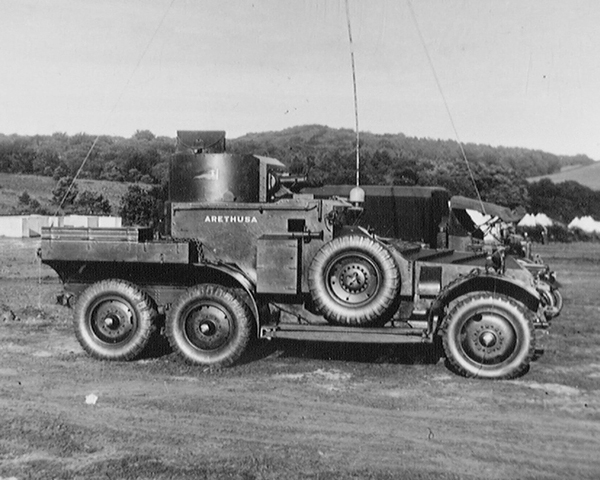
x=245, y=257
x=431, y=216
x=501, y=227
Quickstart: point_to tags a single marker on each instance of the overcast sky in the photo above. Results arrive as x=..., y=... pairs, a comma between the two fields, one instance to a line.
x=514, y=72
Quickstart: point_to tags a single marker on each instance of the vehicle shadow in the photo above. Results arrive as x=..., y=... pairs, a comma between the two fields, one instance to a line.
x=402, y=354
x=405, y=354
x=158, y=346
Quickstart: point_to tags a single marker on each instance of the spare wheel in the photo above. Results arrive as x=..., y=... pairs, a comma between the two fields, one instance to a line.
x=354, y=280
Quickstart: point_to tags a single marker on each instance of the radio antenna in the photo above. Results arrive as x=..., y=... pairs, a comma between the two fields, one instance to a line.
x=355, y=96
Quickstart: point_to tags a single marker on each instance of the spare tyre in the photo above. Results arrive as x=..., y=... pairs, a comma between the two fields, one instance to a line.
x=354, y=280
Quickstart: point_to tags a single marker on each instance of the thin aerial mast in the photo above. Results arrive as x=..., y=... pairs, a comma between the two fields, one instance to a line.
x=358, y=195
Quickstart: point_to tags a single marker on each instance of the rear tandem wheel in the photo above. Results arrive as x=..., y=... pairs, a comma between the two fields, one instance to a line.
x=114, y=320
x=209, y=325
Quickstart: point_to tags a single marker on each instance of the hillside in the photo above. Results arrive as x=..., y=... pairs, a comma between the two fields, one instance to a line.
x=329, y=152
x=587, y=175
x=40, y=188
x=325, y=155
x=317, y=141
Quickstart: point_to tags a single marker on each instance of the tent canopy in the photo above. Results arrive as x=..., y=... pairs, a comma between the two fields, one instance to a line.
x=503, y=213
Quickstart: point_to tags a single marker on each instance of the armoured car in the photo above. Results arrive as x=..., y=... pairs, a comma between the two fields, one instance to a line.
x=244, y=257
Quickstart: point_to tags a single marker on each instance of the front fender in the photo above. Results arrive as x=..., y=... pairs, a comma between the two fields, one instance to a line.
x=478, y=280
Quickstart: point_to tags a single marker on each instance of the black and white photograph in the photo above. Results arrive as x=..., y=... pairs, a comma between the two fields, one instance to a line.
x=301, y=240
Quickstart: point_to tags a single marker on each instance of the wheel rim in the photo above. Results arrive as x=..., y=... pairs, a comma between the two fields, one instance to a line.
x=547, y=298
x=558, y=300
x=352, y=279
x=207, y=326
x=112, y=320
x=488, y=337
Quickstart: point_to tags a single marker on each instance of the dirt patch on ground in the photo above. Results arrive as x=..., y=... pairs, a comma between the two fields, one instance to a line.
x=292, y=410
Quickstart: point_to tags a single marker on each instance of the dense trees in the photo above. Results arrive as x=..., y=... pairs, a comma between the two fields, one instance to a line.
x=498, y=174
x=29, y=205
x=564, y=201
x=65, y=192
x=328, y=153
x=91, y=203
x=67, y=199
x=324, y=154
x=143, y=206
x=398, y=151
x=143, y=157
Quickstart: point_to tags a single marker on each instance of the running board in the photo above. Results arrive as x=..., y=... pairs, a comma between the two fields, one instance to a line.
x=332, y=333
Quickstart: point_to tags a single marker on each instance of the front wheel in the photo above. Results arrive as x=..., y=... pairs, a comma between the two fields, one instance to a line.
x=114, y=320
x=558, y=300
x=552, y=300
x=209, y=325
x=488, y=335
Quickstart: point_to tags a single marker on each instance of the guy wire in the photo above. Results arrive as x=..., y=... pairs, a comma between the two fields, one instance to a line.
x=439, y=86
x=114, y=107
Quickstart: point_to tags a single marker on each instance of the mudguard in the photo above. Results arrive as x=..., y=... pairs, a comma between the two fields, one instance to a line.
x=478, y=280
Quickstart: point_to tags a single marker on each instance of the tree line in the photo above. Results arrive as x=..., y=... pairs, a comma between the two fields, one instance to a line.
x=325, y=155
x=497, y=174
x=141, y=158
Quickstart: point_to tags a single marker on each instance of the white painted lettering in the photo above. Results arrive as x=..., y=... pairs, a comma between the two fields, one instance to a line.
x=229, y=219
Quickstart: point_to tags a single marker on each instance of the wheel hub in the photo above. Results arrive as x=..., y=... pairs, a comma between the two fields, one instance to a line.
x=353, y=280
x=208, y=327
x=112, y=321
x=488, y=338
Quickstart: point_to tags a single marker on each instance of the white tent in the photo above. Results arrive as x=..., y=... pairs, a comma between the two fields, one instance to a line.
x=531, y=220
x=586, y=224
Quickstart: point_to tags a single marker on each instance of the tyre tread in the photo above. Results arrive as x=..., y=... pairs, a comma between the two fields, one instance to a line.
x=240, y=310
x=140, y=301
x=456, y=364
x=377, y=313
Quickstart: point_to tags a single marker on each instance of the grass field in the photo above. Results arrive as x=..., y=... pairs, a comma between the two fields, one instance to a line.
x=292, y=410
x=40, y=188
x=588, y=175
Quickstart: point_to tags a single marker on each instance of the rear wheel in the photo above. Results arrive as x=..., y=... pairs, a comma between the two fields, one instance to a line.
x=209, y=325
x=114, y=320
x=489, y=335
x=354, y=280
